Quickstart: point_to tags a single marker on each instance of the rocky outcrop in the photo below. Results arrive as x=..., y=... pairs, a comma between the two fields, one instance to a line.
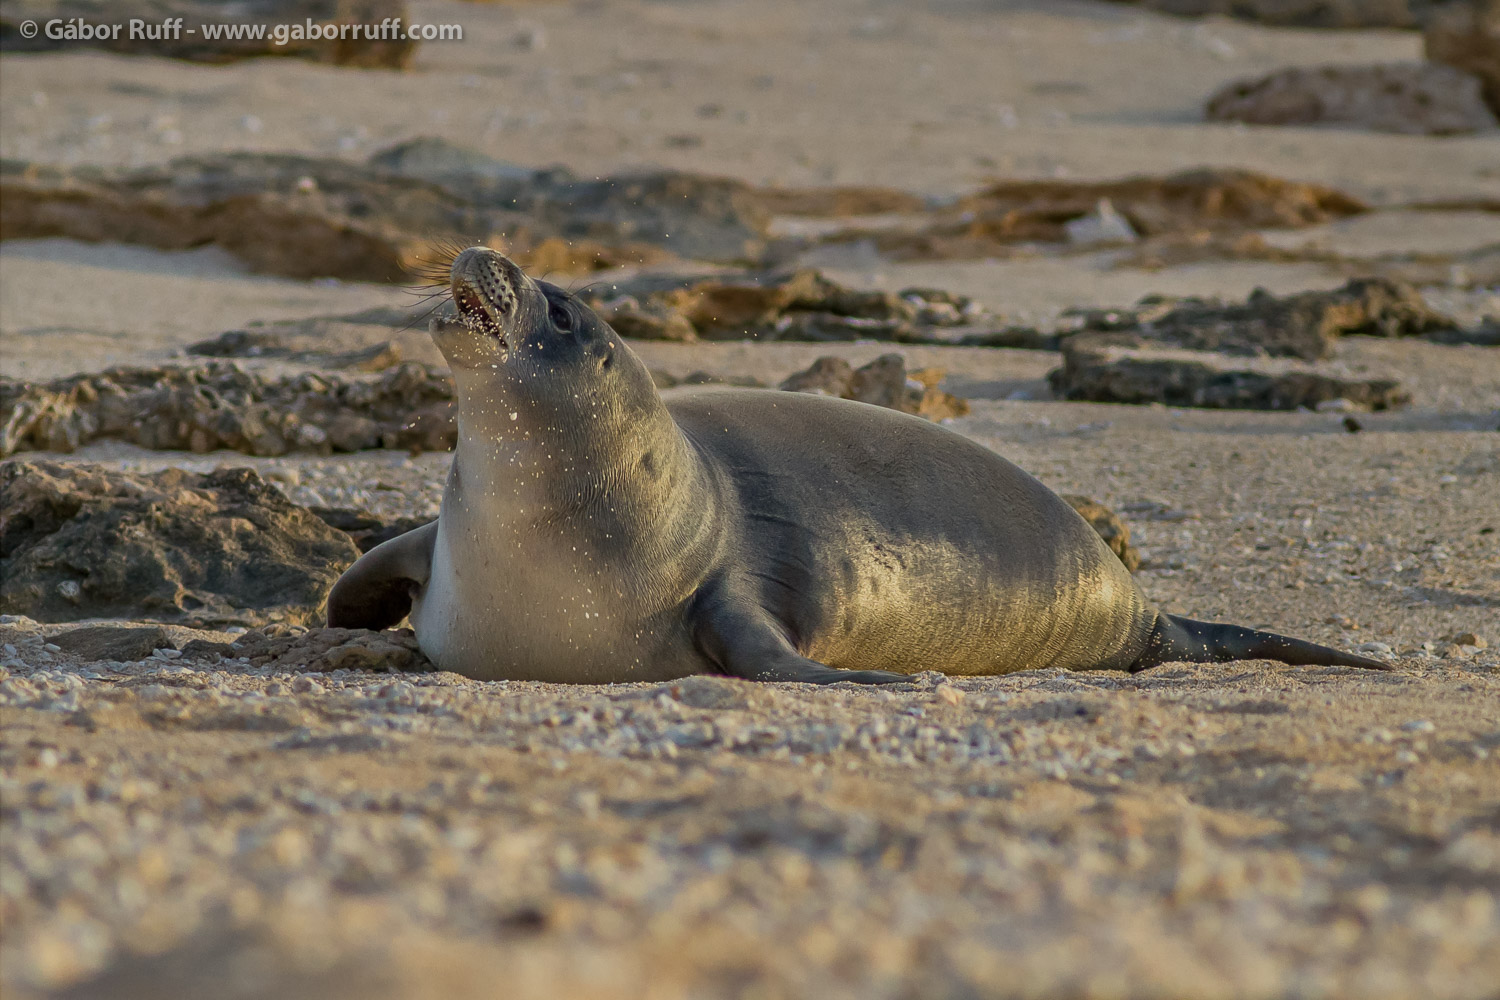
x=1110, y=526
x=1306, y=13
x=307, y=217
x=1409, y=98
x=1466, y=35
x=319, y=650
x=358, y=38
x=883, y=382
x=1201, y=379
x=1015, y=212
x=123, y=643
x=798, y=305
x=1304, y=325
x=365, y=528
x=79, y=541
x=282, y=344
x=402, y=215
x=220, y=405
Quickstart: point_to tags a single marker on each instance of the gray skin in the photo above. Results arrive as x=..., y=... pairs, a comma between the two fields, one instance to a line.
x=591, y=532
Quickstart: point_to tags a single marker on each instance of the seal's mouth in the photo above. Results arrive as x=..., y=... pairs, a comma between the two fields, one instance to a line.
x=477, y=314
x=490, y=295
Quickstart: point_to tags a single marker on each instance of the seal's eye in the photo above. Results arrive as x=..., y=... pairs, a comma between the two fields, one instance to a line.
x=561, y=318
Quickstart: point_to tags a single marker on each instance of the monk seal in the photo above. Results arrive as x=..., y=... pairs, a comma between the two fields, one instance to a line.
x=592, y=532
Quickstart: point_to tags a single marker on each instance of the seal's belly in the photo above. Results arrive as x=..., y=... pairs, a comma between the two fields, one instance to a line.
x=492, y=613
x=939, y=606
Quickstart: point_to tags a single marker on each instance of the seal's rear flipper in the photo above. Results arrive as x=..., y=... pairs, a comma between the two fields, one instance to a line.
x=741, y=640
x=376, y=591
x=1185, y=640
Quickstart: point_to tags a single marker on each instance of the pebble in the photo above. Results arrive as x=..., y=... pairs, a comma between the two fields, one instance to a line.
x=1418, y=726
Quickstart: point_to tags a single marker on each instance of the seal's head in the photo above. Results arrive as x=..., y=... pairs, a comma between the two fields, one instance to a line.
x=531, y=351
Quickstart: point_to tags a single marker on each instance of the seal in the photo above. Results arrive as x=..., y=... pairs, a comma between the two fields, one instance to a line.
x=592, y=532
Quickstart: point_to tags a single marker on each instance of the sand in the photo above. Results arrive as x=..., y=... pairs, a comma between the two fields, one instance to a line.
x=190, y=827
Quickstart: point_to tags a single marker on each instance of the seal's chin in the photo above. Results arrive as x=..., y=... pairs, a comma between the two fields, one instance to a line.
x=468, y=343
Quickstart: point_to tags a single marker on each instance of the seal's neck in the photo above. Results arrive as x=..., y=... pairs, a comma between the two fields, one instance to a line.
x=620, y=478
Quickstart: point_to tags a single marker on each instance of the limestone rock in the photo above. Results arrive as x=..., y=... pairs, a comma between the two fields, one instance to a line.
x=310, y=217
x=995, y=219
x=1201, y=379
x=882, y=382
x=1110, y=526
x=326, y=649
x=1466, y=35
x=78, y=541
x=790, y=305
x=366, y=529
x=1408, y=98
x=219, y=405
x=113, y=642
x=1304, y=13
x=273, y=343
x=1304, y=325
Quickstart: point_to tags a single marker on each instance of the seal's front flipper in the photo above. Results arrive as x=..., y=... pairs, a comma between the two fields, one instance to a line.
x=376, y=591
x=743, y=642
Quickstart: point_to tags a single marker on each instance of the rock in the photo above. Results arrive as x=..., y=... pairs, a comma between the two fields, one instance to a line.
x=1466, y=35
x=656, y=320
x=1305, y=325
x=709, y=378
x=365, y=528
x=838, y=202
x=307, y=217
x=1408, y=98
x=438, y=160
x=716, y=693
x=1209, y=198
x=1110, y=526
x=1201, y=379
x=1471, y=639
x=995, y=219
x=252, y=344
x=78, y=541
x=882, y=382
x=1303, y=13
x=241, y=344
x=322, y=650
x=299, y=217
x=828, y=376
x=192, y=43
x=788, y=305
x=219, y=405
x=112, y=642
x=1486, y=334
x=1104, y=227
